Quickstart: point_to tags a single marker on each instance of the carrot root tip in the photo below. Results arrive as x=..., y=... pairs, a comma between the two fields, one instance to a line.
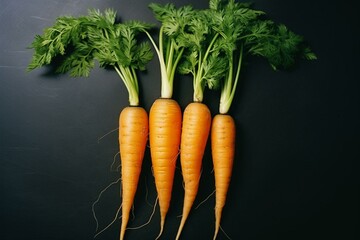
x=161, y=231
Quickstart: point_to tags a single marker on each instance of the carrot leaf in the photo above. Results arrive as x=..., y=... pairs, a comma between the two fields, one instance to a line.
x=76, y=43
x=174, y=22
x=245, y=31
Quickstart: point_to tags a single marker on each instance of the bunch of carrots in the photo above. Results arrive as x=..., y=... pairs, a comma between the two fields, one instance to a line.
x=210, y=45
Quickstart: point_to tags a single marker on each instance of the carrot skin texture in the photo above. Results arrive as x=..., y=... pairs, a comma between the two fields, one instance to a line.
x=223, y=132
x=194, y=136
x=165, y=131
x=133, y=135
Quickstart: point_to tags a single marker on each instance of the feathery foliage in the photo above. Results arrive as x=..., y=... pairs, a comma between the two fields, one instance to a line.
x=78, y=42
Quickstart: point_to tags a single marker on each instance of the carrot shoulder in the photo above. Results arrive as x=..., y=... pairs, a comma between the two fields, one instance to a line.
x=164, y=135
x=223, y=133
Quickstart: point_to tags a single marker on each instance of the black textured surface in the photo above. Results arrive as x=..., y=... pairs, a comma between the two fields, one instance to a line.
x=295, y=175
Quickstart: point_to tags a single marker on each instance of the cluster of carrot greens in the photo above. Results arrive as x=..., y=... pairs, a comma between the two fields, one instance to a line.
x=210, y=45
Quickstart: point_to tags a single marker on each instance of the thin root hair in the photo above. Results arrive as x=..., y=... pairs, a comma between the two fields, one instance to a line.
x=112, y=166
x=203, y=201
x=108, y=133
x=98, y=199
x=227, y=236
x=151, y=216
x=133, y=212
x=176, y=157
x=111, y=223
x=147, y=193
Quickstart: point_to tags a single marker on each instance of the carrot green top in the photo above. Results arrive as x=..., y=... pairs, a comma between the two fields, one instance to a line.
x=75, y=43
x=246, y=31
x=218, y=38
x=174, y=21
x=210, y=44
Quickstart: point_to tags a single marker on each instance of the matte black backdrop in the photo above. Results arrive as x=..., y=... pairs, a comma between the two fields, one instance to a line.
x=295, y=173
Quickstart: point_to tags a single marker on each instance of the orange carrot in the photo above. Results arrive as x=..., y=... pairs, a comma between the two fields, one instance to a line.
x=133, y=133
x=223, y=150
x=275, y=42
x=99, y=37
x=165, y=113
x=164, y=131
x=195, y=132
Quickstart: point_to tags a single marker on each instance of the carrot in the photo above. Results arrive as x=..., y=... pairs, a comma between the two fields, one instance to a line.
x=165, y=114
x=133, y=133
x=201, y=61
x=98, y=37
x=242, y=32
x=164, y=129
x=223, y=150
x=195, y=132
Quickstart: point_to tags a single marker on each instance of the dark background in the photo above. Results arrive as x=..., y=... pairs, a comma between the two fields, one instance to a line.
x=295, y=173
